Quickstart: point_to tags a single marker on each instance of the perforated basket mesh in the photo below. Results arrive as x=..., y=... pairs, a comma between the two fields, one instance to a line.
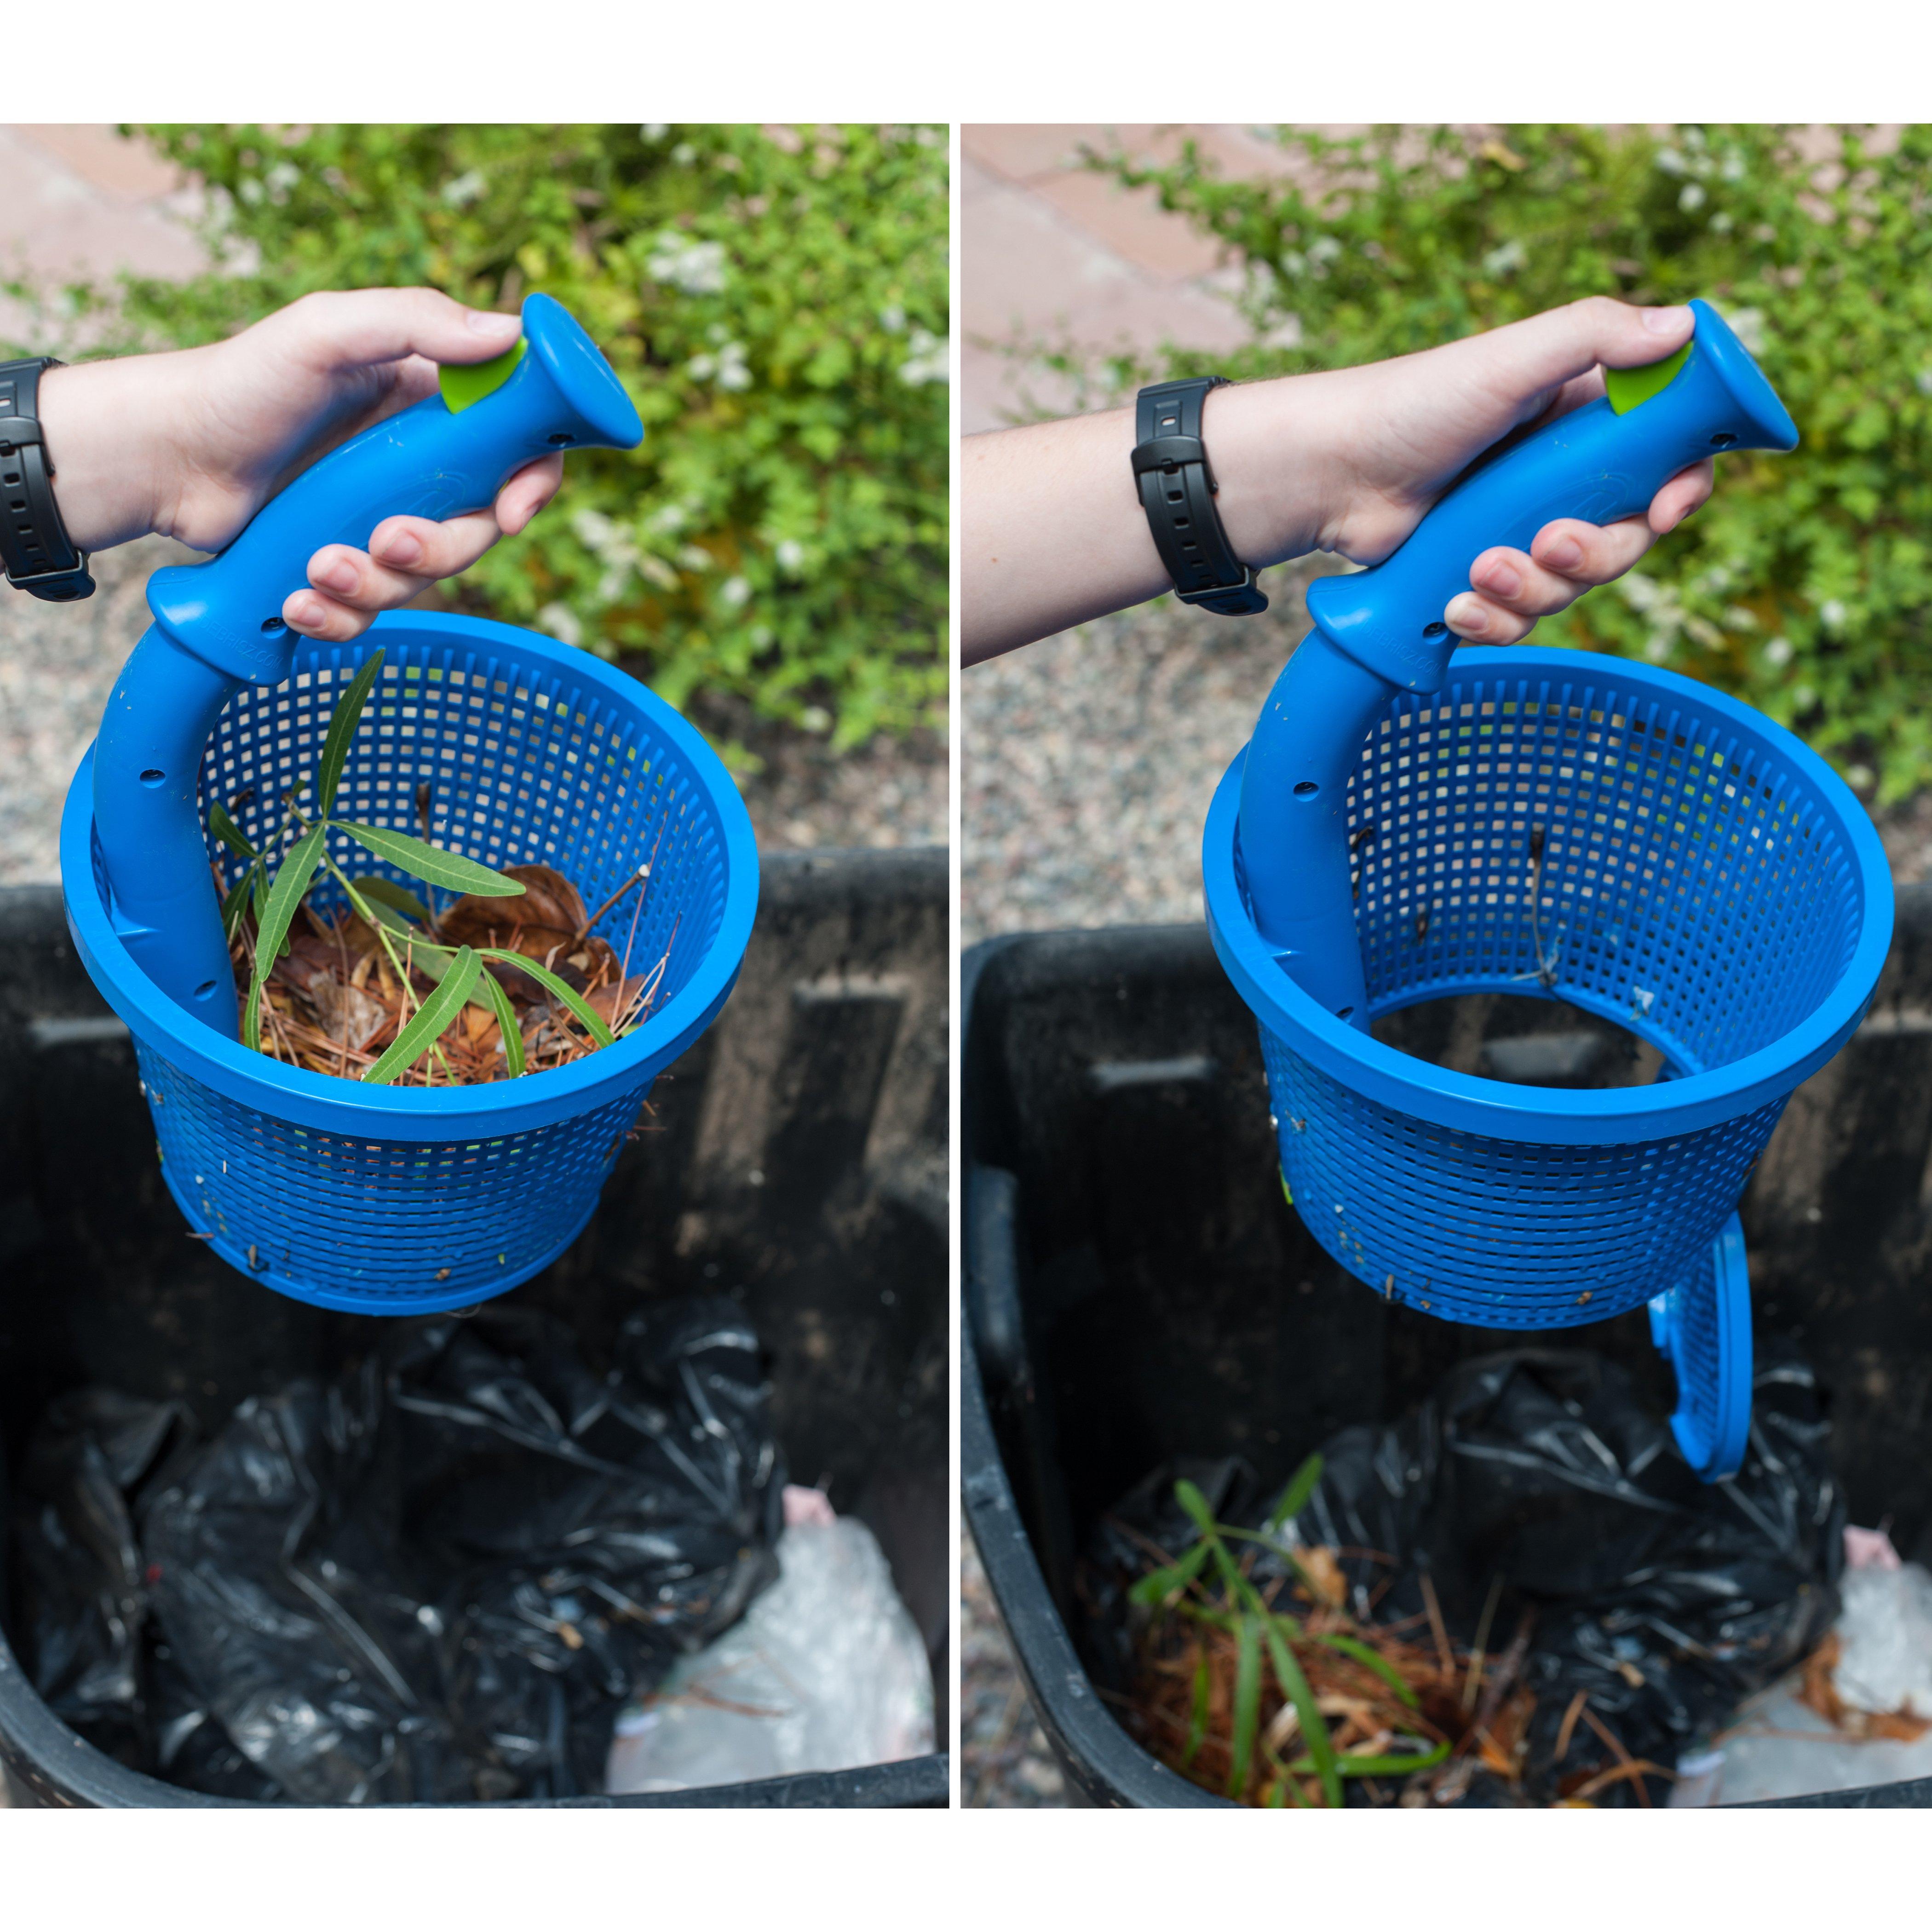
x=527, y=759
x=1636, y=852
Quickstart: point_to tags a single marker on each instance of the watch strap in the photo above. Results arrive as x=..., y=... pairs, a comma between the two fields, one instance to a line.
x=35, y=548
x=1176, y=486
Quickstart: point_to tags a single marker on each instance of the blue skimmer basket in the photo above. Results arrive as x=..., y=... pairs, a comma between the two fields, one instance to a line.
x=1576, y=827
x=397, y=1200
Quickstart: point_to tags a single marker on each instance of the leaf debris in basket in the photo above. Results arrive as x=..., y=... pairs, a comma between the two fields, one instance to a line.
x=505, y=979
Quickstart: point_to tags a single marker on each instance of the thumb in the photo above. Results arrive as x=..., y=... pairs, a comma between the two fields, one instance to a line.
x=355, y=328
x=1537, y=356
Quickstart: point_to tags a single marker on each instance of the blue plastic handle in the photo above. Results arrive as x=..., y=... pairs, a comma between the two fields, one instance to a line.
x=218, y=626
x=1381, y=630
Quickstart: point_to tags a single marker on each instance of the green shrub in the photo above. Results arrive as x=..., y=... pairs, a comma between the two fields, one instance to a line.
x=1805, y=586
x=775, y=302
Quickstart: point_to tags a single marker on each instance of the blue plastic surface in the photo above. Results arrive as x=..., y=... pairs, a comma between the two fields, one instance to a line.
x=1705, y=881
x=391, y=1200
x=217, y=626
x=1703, y=1327
x=1381, y=630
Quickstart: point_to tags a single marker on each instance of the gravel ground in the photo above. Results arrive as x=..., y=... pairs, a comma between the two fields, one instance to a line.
x=57, y=662
x=1004, y=1759
x=1088, y=760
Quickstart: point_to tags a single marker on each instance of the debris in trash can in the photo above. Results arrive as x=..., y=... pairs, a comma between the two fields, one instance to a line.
x=1518, y=1593
x=1858, y=1711
x=436, y=1577
x=826, y=1672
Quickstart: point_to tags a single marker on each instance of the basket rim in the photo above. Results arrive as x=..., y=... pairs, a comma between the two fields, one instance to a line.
x=434, y=1114
x=1554, y=1116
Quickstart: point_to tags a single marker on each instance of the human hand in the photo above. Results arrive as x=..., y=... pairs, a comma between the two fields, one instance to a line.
x=1399, y=433
x=193, y=442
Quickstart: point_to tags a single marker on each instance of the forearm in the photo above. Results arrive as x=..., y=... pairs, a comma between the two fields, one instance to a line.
x=1052, y=531
x=98, y=420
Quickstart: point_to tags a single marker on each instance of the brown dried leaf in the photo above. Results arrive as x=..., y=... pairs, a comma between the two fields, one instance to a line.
x=347, y=1014
x=550, y=912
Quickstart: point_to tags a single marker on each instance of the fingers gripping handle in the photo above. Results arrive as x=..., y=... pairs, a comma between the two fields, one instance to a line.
x=1599, y=462
x=1380, y=632
x=429, y=461
x=218, y=625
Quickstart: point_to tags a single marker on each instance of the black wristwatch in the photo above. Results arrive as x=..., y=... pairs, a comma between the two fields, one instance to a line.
x=34, y=545
x=1178, y=489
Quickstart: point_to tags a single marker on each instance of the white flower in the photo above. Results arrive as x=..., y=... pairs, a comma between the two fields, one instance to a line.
x=1859, y=777
x=1658, y=649
x=654, y=131
x=280, y=179
x=892, y=319
x=1831, y=613
x=815, y=718
x=1324, y=248
x=931, y=360
x=1803, y=697
x=667, y=521
x=465, y=189
x=1748, y=326
x=562, y=623
x=1721, y=222
x=734, y=593
x=1669, y=161
x=1692, y=199
x=696, y=268
x=1733, y=169
x=684, y=154
x=790, y=554
x=692, y=558
x=1777, y=653
x=1506, y=259
x=1922, y=382
x=592, y=529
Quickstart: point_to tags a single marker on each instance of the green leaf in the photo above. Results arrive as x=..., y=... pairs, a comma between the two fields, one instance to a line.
x=431, y=864
x=1295, y=1497
x=1314, y=1726
x=230, y=834
x=426, y=1027
x=291, y=880
x=506, y=1022
x=392, y=921
x=1157, y=1585
x=593, y=1024
x=235, y=903
x=342, y=725
x=1191, y=1499
x=1356, y=1764
x=1247, y=1703
x=1364, y=1654
x=1197, y=1722
x=386, y=892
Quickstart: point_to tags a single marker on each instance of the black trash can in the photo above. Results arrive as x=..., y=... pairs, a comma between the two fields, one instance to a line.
x=1136, y=1288
x=800, y=1165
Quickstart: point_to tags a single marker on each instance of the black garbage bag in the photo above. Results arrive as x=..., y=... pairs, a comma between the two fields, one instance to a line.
x=1664, y=1601
x=83, y=1597
x=591, y=1527
x=437, y=1577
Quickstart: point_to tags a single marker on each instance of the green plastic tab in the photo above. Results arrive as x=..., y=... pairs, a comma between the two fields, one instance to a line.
x=463, y=383
x=1627, y=387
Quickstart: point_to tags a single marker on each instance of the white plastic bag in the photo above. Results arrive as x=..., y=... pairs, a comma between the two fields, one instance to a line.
x=1886, y=1629
x=826, y=1672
